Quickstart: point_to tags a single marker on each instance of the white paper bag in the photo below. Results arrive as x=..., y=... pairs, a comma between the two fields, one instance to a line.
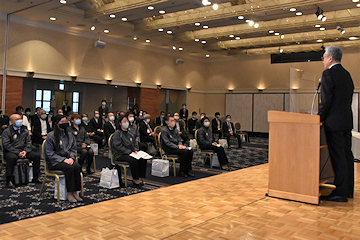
x=215, y=161
x=62, y=189
x=31, y=174
x=95, y=148
x=109, y=178
x=193, y=143
x=223, y=143
x=160, y=168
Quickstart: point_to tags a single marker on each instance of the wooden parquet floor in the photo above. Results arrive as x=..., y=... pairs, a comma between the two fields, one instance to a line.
x=227, y=206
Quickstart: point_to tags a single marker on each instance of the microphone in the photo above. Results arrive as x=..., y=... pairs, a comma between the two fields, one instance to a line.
x=319, y=85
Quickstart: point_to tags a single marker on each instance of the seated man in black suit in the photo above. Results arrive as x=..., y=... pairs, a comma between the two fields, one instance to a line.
x=109, y=127
x=198, y=123
x=179, y=125
x=146, y=132
x=160, y=120
x=90, y=130
x=228, y=129
x=171, y=143
x=97, y=124
x=192, y=124
x=40, y=128
x=17, y=144
x=216, y=125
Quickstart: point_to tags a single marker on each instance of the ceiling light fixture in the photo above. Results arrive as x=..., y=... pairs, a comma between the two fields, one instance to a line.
x=207, y=55
x=353, y=38
x=240, y=17
x=276, y=34
x=298, y=14
x=320, y=14
x=135, y=38
x=151, y=7
x=53, y=18
x=215, y=7
x=63, y=1
x=174, y=48
x=112, y=15
x=247, y=20
x=358, y=5
x=323, y=19
x=169, y=32
x=317, y=25
x=251, y=23
x=196, y=39
x=355, y=0
x=92, y=28
x=237, y=38
x=340, y=29
x=206, y=2
x=160, y=29
x=124, y=19
x=281, y=50
x=292, y=9
x=319, y=40
x=180, y=48
x=231, y=36
x=106, y=31
x=322, y=29
x=282, y=36
x=271, y=31
x=205, y=26
x=147, y=40
x=162, y=11
x=203, y=41
x=197, y=24
x=256, y=25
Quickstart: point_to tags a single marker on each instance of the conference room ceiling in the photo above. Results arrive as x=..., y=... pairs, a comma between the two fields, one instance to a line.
x=220, y=33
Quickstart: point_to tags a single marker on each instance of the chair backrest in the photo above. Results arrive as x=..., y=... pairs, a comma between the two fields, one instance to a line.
x=157, y=129
x=2, y=155
x=237, y=126
x=110, y=150
x=44, y=154
x=197, y=145
x=159, y=144
x=184, y=123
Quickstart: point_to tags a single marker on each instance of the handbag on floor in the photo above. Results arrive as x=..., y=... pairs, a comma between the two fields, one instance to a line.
x=193, y=143
x=21, y=173
x=223, y=143
x=160, y=167
x=215, y=161
x=109, y=178
x=95, y=148
x=62, y=189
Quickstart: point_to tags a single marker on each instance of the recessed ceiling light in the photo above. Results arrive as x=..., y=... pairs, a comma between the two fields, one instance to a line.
x=319, y=40
x=231, y=35
x=323, y=19
x=196, y=39
x=215, y=7
x=207, y=55
x=203, y=41
x=292, y=9
x=151, y=7
x=52, y=18
x=106, y=31
x=237, y=38
x=282, y=36
x=251, y=23
x=162, y=11
x=240, y=17
x=343, y=31
x=205, y=26
x=63, y=1
x=353, y=38
x=276, y=34
x=322, y=29
x=271, y=31
x=206, y=2
x=174, y=48
x=197, y=24
x=180, y=48
x=281, y=50
x=147, y=40
x=317, y=25
x=112, y=15
x=355, y=0
x=358, y=5
x=92, y=28
x=135, y=38
x=160, y=29
x=256, y=25
x=298, y=13
x=247, y=20
x=124, y=19
x=169, y=32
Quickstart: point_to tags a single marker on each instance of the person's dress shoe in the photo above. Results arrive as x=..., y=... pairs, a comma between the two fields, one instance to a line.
x=36, y=180
x=182, y=174
x=10, y=185
x=79, y=199
x=190, y=174
x=89, y=172
x=240, y=146
x=136, y=185
x=334, y=198
x=73, y=200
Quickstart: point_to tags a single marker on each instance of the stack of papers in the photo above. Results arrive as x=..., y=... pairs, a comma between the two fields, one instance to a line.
x=141, y=154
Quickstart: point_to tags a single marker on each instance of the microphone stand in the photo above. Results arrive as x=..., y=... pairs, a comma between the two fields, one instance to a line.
x=313, y=103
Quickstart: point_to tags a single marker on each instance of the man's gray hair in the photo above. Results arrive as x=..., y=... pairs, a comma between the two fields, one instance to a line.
x=335, y=52
x=146, y=116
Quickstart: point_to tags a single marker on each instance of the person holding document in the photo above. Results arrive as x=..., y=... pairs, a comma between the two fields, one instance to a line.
x=335, y=112
x=205, y=142
x=123, y=144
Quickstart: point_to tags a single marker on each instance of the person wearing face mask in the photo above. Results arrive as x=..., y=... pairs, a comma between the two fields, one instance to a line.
x=28, y=114
x=20, y=110
x=82, y=142
x=103, y=110
x=40, y=128
x=216, y=125
x=91, y=130
x=97, y=124
x=51, y=118
x=229, y=130
x=60, y=154
x=171, y=143
x=59, y=112
x=66, y=108
x=205, y=142
x=179, y=125
x=123, y=143
x=198, y=124
x=160, y=120
x=192, y=124
x=184, y=113
x=17, y=144
x=146, y=131
x=133, y=128
x=109, y=127
x=4, y=122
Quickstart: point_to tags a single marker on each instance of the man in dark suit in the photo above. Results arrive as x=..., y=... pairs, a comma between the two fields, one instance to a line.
x=216, y=125
x=160, y=120
x=91, y=130
x=192, y=124
x=66, y=108
x=40, y=128
x=97, y=124
x=229, y=130
x=198, y=123
x=109, y=127
x=184, y=113
x=146, y=132
x=335, y=112
x=4, y=121
x=103, y=110
x=179, y=125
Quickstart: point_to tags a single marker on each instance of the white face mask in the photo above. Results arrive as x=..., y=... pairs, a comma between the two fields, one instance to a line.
x=228, y=119
x=85, y=119
x=125, y=125
x=111, y=118
x=103, y=103
x=148, y=120
x=43, y=116
x=201, y=117
x=194, y=116
x=176, y=117
x=206, y=124
x=184, y=107
x=131, y=119
x=97, y=115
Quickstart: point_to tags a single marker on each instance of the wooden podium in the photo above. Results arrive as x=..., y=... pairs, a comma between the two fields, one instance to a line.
x=294, y=156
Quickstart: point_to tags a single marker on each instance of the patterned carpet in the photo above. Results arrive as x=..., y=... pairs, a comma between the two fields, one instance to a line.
x=24, y=202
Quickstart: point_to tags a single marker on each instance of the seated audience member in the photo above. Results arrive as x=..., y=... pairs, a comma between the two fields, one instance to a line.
x=228, y=129
x=59, y=112
x=184, y=113
x=28, y=114
x=179, y=125
x=20, y=110
x=205, y=142
x=123, y=143
x=198, y=123
x=51, y=118
x=133, y=128
x=60, y=150
x=82, y=142
x=109, y=126
x=146, y=132
x=216, y=125
x=103, y=110
x=17, y=144
x=168, y=114
x=171, y=143
x=97, y=124
x=4, y=121
x=40, y=128
x=68, y=117
x=192, y=124
x=90, y=130
x=160, y=120
x=66, y=108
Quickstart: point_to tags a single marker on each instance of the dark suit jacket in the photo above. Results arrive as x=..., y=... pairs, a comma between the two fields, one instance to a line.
x=143, y=130
x=184, y=114
x=97, y=125
x=108, y=130
x=89, y=127
x=103, y=111
x=225, y=127
x=36, y=136
x=4, y=120
x=158, y=121
x=214, y=125
x=337, y=90
x=66, y=109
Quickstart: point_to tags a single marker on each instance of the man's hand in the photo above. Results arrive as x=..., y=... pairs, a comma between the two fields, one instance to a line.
x=100, y=130
x=83, y=145
x=135, y=152
x=69, y=161
x=3, y=126
x=214, y=144
x=22, y=154
x=180, y=133
x=152, y=134
x=91, y=134
x=44, y=137
x=182, y=147
x=231, y=133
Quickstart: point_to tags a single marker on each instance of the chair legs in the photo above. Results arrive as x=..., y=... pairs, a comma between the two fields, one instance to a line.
x=82, y=185
x=42, y=186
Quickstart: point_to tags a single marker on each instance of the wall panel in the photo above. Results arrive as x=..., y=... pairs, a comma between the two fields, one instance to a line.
x=239, y=106
x=262, y=104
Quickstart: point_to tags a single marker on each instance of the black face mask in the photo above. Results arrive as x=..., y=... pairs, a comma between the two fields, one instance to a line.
x=63, y=126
